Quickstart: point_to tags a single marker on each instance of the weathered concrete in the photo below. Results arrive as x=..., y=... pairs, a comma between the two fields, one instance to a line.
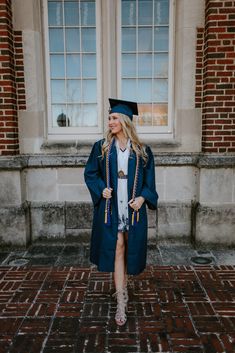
x=174, y=221
x=79, y=216
x=10, y=188
x=215, y=224
x=47, y=220
x=14, y=225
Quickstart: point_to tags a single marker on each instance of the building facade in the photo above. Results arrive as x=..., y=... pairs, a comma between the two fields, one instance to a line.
x=60, y=61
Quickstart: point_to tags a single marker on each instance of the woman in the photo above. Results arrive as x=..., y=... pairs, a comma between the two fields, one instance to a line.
x=121, y=179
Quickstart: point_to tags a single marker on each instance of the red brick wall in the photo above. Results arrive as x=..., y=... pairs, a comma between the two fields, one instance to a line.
x=12, y=90
x=218, y=86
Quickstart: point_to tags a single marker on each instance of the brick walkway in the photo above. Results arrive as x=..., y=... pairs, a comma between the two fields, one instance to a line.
x=70, y=309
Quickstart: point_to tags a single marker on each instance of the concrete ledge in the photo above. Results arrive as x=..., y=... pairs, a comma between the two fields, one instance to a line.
x=74, y=160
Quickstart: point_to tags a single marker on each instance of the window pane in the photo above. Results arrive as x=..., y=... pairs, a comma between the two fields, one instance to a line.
x=89, y=91
x=89, y=65
x=56, y=40
x=88, y=13
x=55, y=13
x=145, y=115
x=161, y=65
x=129, y=89
x=88, y=40
x=161, y=39
x=160, y=91
x=160, y=114
x=71, y=13
x=58, y=91
x=128, y=65
x=57, y=66
x=72, y=39
x=59, y=116
x=89, y=114
x=129, y=39
x=73, y=91
x=161, y=12
x=74, y=114
x=129, y=13
x=145, y=39
x=73, y=66
x=145, y=12
x=144, y=91
x=145, y=65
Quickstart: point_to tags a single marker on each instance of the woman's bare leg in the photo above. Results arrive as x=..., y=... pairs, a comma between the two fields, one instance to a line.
x=120, y=266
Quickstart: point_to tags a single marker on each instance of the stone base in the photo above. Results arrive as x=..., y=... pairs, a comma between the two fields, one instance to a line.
x=174, y=222
x=215, y=225
x=15, y=225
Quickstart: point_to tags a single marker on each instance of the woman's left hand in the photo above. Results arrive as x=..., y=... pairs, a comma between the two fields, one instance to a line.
x=137, y=203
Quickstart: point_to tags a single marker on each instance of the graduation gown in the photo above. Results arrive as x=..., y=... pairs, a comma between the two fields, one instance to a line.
x=104, y=237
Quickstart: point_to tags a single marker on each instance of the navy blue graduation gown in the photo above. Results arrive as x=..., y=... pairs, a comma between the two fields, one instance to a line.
x=103, y=237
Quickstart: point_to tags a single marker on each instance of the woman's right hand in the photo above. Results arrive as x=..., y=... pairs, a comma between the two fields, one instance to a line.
x=107, y=193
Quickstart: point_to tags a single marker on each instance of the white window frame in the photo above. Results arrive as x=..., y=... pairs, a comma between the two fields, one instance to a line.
x=150, y=132
x=70, y=132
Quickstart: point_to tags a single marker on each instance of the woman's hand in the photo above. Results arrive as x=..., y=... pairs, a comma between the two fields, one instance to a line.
x=137, y=203
x=107, y=193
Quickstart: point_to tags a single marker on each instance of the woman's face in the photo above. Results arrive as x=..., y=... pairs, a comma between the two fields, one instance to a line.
x=114, y=123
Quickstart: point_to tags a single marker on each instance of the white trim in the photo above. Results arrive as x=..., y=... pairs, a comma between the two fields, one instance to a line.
x=73, y=131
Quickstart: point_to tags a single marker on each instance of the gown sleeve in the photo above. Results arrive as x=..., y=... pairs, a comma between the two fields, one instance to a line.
x=149, y=188
x=92, y=175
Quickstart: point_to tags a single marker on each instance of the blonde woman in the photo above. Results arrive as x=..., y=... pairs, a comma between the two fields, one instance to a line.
x=120, y=176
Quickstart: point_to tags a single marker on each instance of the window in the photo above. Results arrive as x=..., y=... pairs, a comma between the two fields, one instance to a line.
x=144, y=61
x=76, y=54
x=73, y=63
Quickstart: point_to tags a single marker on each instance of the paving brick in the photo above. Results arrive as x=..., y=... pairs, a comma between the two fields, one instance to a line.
x=68, y=309
x=152, y=342
x=27, y=344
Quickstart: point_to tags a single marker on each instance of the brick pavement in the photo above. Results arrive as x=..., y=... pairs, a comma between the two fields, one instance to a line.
x=70, y=309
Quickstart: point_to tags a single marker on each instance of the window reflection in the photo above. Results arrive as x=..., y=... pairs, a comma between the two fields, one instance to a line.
x=129, y=13
x=72, y=40
x=71, y=13
x=57, y=66
x=56, y=40
x=73, y=66
x=55, y=13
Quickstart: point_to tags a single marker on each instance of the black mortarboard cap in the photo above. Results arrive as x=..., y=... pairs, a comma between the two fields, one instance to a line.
x=124, y=107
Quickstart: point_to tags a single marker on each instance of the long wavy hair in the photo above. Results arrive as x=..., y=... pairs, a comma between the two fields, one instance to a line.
x=129, y=131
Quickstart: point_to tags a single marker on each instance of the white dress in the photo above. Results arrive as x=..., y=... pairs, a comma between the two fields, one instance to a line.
x=122, y=191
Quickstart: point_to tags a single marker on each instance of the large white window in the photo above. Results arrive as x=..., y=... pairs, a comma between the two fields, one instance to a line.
x=145, y=59
x=73, y=66
x=76, y=53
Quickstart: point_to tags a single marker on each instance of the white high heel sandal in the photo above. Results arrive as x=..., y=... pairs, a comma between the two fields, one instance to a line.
x=122, y=299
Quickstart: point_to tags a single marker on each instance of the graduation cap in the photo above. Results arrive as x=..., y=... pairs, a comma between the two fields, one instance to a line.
x=123, y=107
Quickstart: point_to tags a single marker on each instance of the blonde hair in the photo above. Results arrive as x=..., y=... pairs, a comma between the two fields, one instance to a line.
x=129, y=131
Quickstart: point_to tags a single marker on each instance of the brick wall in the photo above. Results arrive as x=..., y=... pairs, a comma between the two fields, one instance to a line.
x=12, y=90
x=218, y=79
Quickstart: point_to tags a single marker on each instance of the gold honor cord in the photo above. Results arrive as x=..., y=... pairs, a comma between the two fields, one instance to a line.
x=135, y=214
x=107, y=212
